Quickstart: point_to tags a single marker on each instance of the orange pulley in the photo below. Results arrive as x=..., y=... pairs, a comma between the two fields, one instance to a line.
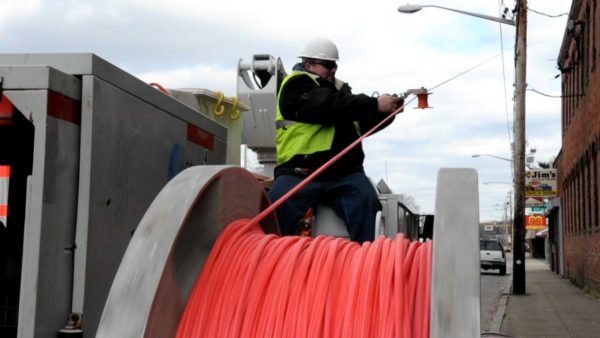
x=422, y=97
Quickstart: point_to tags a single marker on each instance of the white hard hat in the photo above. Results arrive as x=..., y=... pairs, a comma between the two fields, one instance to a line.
x=320, y=48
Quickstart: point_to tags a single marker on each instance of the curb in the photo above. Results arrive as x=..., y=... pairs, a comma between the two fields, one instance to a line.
x=501, y=309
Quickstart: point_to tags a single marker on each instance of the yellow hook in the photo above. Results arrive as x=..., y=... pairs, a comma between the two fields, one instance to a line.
x=219, y=107
x=235, y=111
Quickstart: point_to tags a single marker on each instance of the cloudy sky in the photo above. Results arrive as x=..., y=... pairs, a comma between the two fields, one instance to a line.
x=194, y=43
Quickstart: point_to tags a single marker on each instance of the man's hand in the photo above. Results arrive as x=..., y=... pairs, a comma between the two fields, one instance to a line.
x=387, y=103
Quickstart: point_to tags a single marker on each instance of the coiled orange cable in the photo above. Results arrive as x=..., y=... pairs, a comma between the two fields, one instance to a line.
x=258, y=285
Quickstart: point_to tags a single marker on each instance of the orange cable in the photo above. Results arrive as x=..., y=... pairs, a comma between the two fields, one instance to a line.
x=255, y=285
x=160, y=87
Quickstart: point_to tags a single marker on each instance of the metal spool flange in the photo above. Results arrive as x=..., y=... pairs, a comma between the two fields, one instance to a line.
x=171, y=244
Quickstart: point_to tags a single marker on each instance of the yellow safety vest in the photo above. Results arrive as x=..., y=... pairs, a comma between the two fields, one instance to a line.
x=298, y=138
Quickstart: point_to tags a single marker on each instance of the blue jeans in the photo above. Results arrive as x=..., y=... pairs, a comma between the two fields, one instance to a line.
x=353, y=198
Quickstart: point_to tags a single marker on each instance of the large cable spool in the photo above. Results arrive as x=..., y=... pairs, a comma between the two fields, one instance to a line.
x=170, y=245
x=175, y=237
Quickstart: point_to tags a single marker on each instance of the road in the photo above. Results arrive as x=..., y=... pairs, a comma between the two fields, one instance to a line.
x=492, y=287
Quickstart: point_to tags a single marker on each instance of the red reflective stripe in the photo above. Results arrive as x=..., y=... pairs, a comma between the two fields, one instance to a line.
x=4, y=180
x=6, y=110
x=4, y=171
x=64, y=108
x=200, y=136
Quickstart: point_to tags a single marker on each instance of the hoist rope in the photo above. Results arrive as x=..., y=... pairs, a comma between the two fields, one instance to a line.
x=467, y=70
x=259, y=285
x=309, y=179
x=326, y=165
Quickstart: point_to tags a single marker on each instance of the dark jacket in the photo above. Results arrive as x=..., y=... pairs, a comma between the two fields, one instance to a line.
x=301, y=99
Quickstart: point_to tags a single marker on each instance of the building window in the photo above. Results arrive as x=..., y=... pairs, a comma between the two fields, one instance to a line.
x=564, y=109
x=579, y=201
x=584, y=210
x=593, y=37
x=572, y=89
x=571, y=206
x=578, y=78
x=585, y=51
x=588, y=195
x=594, y=186
x=567, y=212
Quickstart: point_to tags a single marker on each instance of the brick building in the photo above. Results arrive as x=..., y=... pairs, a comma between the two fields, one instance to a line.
x=579, y=161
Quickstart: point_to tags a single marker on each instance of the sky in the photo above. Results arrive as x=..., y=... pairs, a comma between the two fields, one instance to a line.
x=470, y=61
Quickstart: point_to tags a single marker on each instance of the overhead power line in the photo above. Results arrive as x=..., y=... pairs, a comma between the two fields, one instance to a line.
x=548, y=15
x=552, y=96
x=547, y=95
x=508, y=122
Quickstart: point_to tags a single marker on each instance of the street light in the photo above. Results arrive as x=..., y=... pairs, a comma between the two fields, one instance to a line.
x=498, y=157
x=530, y=158
x=410, y=9
x=519, y=132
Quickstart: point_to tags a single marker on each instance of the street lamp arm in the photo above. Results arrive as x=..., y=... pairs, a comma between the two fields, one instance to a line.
x=498, y=157
x=409, y=9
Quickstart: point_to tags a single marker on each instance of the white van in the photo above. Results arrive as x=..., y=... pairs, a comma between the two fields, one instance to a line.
x=492, y=256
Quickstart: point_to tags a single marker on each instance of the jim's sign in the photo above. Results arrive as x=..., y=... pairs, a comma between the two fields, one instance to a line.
x=541, y=183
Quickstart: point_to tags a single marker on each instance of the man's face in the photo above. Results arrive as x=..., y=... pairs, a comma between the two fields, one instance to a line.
x=324, y=68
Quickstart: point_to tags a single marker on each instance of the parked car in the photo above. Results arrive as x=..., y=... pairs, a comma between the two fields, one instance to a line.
x=491, y=255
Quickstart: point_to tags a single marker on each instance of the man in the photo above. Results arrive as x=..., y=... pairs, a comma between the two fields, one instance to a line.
x=317, y=117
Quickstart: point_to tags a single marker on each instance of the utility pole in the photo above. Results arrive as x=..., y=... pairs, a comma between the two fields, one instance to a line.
x=511, y=231
x=519, y=154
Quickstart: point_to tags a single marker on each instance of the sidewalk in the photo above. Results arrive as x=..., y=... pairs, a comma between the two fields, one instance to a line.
x=551, y=307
